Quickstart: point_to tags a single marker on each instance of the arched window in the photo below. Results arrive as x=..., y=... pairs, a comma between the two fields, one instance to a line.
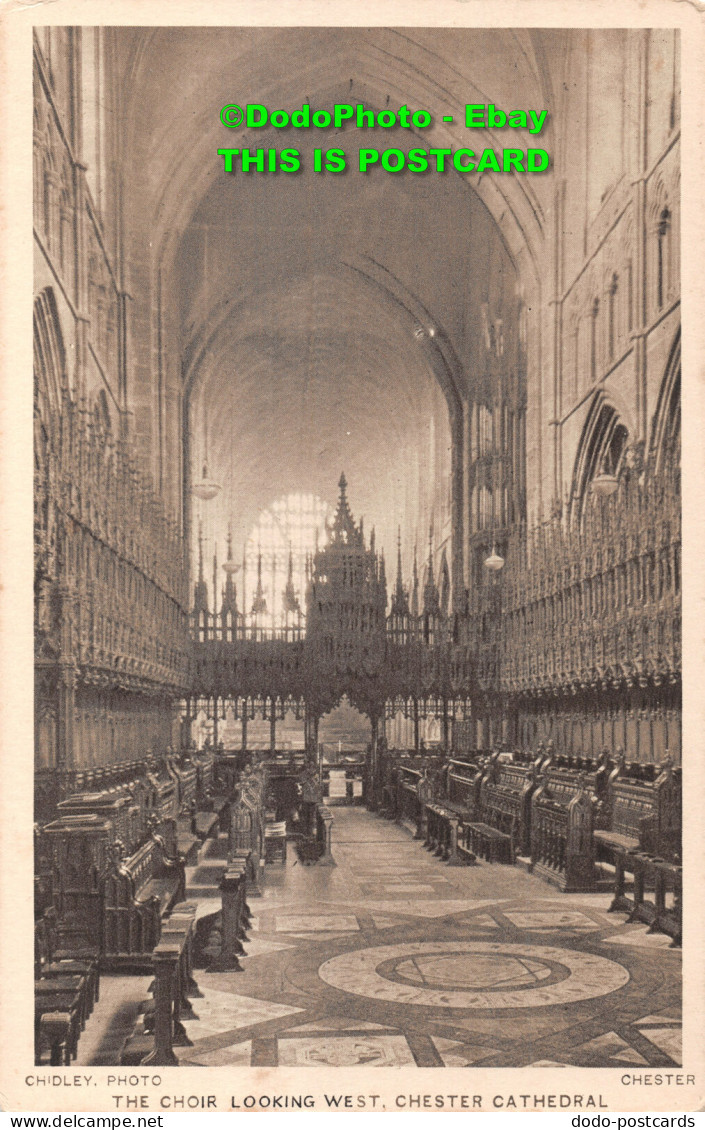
x=602, y=449
x=292, y=527
x=49, y=353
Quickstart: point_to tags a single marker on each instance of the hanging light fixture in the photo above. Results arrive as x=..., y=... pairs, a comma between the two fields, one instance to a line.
x=206, y=488
x=604, y=484
x=494, y=562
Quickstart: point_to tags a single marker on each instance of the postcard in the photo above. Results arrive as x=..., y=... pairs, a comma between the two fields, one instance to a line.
x=351, y=727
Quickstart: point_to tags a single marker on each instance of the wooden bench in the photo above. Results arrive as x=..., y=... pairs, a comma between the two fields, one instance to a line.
x=653, y=856
x=63, y=1001
x=562, y=825
x=650, y=875
x=407, y=801
x=631, y=805
x=138, y=893
x=206, y=825
x=159, y=1027
x=642, y=815
x=57, y=1031
x=463, y=788
x=51, y=963
x=505, y=796
x=443, y=823
x=478, y=839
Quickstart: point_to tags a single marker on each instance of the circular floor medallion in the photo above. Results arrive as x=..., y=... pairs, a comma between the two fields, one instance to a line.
x=488, y=975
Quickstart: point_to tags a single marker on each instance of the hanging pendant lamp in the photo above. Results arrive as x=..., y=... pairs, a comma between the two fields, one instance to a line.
x=604, y=484
x=494, y=562
x=206, y=488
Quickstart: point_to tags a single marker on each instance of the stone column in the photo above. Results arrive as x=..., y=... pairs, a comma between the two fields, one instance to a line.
x=166, y=959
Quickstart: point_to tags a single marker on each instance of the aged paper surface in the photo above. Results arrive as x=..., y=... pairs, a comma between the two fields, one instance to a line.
x=625, y=1058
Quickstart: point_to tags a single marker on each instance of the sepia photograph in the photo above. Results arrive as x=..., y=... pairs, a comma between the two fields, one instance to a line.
x=356, y=567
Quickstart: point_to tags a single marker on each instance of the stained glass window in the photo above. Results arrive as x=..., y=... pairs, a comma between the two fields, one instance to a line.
x=291, y=527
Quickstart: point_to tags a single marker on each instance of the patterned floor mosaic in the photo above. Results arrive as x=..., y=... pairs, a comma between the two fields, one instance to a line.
x=392, y=958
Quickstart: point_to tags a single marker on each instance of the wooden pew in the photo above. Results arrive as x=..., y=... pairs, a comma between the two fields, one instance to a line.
x=463, y=788
x=642, y=814
x=138, y=893
x=110, y=863
x=65, y=992
x=109, y=901
x=438, y=830
x=407, y=802
x=49, y=961
x=653, y=875
x=454, y=801
x=234, y=918
x=159, y=1028
x=478, y=839
x=506, y=790
x=562, y=825
x=247, y=826
x=651, y=812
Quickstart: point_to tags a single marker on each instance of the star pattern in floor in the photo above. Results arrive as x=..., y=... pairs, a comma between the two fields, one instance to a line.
x=392, y=958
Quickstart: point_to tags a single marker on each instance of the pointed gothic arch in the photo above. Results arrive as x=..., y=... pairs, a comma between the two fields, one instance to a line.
x=601, y=450
x=665, y=446
x=50, y=377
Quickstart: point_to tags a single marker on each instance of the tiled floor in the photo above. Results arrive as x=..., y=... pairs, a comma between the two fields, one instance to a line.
x=392, y=958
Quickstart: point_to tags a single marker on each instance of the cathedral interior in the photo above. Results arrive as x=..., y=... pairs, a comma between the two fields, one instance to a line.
x=357, y=556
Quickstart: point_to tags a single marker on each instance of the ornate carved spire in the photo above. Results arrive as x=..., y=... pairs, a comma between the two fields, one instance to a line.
x=215, y=577
x=431, y=602
x=415, y=588
x=344, y=530
x=200, y=593
x=291, y=601
x=230, y=591
x=259, y=604
x=400, y=599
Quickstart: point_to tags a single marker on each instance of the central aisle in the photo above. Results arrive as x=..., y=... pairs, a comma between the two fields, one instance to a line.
x=392, y=957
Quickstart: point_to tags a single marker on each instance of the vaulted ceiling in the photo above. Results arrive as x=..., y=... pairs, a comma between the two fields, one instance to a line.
x=329, y=322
